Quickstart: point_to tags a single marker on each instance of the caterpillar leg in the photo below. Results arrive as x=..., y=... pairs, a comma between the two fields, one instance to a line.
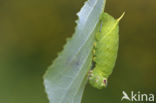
x=94, y=45
x=94, y=58
x=90, y=74
x=94, y=51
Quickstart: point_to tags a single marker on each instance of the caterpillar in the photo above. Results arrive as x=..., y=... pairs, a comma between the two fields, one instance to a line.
x=104, y=51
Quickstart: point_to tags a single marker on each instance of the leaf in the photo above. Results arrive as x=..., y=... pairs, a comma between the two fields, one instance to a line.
x=65, y=79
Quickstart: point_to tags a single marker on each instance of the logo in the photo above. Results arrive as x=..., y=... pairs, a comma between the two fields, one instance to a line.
x=138, y=96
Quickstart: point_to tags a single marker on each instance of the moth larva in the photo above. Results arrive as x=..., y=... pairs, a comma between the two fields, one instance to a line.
x=104, y=51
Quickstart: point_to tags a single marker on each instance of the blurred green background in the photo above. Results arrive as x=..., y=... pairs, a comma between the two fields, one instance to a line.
x=32, y=32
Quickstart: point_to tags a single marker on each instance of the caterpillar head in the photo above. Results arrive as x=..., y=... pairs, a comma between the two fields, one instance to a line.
x=97, y=80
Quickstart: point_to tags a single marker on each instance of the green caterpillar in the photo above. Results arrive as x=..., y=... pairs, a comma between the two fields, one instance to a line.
x=104, y=51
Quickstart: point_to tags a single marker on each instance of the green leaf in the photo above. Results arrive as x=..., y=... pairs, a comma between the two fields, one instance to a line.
x=65, y=79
